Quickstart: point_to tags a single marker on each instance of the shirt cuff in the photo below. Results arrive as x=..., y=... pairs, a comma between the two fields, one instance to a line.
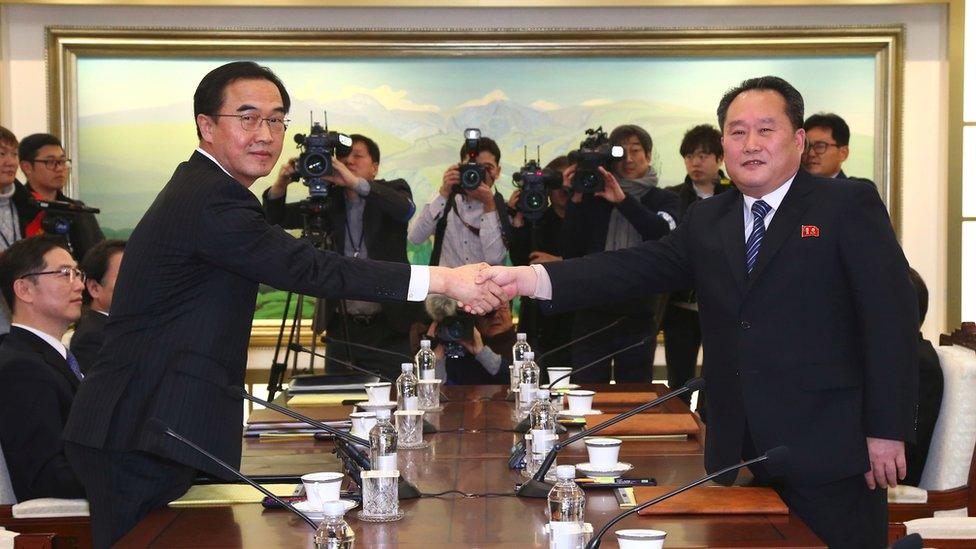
x=419, y=283
x=543, y=285
x=362, y=187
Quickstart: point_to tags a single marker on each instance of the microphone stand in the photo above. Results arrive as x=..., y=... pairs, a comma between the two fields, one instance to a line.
x=329, y=339
x=537, y=487
x=774, y=456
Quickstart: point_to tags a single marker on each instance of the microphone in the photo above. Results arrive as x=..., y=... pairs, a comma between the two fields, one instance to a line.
x=539, y=488
x=330, y=339
x=158, y=426
x=774, y=457
x=61, y=206
x=580, y=338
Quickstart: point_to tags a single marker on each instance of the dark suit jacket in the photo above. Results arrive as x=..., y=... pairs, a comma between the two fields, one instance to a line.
x=87, y=341
x=36, y=390
x=930, y=386
x=816, y=350
x=182, y=311
x=389, y=207
x=84, y=232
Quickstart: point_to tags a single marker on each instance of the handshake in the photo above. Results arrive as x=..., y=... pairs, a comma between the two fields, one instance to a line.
x=480, y=288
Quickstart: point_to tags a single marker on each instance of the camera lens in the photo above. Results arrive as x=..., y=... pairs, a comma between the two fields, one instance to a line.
x=470, y=178
x=590, y=180
x=315, y=165
x=535, y=201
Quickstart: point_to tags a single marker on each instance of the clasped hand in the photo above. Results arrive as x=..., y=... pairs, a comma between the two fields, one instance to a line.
x=480, y=288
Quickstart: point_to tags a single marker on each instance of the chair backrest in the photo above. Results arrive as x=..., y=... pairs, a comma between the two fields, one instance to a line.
x=7, y=496
x=951, y=452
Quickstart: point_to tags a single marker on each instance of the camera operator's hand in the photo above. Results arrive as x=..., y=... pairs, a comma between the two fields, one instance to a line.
x=484, y=195
x=542, y=257
x=568, y=174
x=452, y=176
x=611, y=192
x=475, y=344
x=518, y=220
x=280, y=185
x=342, y=177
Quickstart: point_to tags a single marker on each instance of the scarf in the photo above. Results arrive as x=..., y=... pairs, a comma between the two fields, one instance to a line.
x=620, y=233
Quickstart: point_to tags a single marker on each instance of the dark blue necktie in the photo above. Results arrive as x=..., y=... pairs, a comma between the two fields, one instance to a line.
x=759, y=211
x=73, y=364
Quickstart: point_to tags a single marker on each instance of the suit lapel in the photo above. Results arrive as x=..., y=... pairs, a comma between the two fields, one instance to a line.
x=732, y=228
x=784, y=223
x=51, y=356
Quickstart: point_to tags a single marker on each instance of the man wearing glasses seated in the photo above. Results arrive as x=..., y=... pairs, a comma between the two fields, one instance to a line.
x=46, y=167
x=38, y=376
x=828, y=137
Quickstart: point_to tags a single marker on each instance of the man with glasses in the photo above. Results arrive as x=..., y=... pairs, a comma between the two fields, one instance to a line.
x=38, y=376
x=828, y=137
x=13, y=202
x=46, y=167
x=101, y=263
x=184, y=301
x=467, y=225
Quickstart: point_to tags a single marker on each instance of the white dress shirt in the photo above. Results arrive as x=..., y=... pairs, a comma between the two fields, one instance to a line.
x=461, y=246
x=51, y=340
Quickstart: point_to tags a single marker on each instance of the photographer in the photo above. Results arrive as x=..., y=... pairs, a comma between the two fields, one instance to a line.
x=539, y=242
x=479, y=357
x=46, y=167
x=466, y=224
x=368, y=218
x=629, y=210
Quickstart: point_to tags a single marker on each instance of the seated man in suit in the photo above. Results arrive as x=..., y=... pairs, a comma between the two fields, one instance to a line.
x=38, y=376
x=101, y=264
x=479, y=357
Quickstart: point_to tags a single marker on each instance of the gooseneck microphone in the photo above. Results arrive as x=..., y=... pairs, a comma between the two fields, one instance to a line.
x=644, y=341
x=330, y=339
x=774, y=458
x=158, y=426
x=580, y=338
x=537, y=487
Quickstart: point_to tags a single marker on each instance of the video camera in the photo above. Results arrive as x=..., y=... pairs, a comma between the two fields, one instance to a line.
x=595, y=152
x=535, y=183
x=319, y=147
x=472, y=173
x=60, y=214
x=452, y=330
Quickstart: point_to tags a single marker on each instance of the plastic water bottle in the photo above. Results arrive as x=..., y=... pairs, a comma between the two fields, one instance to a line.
x=518, y=356
x=528, y=382
x=383, y=443
x=407, y=396
x=542, y=426
x=566, y=500
x=334, y=532
x=426, y=361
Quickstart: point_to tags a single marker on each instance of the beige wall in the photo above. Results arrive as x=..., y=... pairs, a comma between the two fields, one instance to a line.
x=23, y=85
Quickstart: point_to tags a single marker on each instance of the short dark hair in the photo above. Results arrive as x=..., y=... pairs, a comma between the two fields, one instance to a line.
x=839, y=129
x=484, y=144
x=921, y=291
x=95, y=262
x=559, y=163
x=794, y=101
x=209, y=97
x=704, y=137
x=8, y=138
x=371, y=147
x=33, y=143
x=25, y=256
x=626, y=131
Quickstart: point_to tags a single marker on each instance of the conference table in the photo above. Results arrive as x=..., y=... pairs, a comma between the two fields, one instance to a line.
x=468, y=454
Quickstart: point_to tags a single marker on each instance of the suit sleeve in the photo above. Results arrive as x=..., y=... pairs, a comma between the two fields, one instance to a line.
x=30, y=432
x=393, y=198
x=277, y=212
x=887, y=310
x=85, y=345
x=645, y=216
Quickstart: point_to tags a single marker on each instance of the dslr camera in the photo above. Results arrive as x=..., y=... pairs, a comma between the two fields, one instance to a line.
x=472, y=173
x=595, y=152
x=535, y=183
x=452, y=330
x=319, y=148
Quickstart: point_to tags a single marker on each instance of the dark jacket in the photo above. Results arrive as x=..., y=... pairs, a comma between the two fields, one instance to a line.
x=930, y=385
x=36, y=392
x=83, y=232
x=88, y=337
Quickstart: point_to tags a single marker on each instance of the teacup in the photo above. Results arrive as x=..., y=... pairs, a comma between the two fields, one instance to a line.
x=556, y=373
x=362, y=423
x=321, y=487
x=580, y=401
x=603, y=452
x=378, y=391
x=640, y=539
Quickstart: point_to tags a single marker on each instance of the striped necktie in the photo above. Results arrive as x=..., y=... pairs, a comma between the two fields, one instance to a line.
x=74, y=366
x=759, y=211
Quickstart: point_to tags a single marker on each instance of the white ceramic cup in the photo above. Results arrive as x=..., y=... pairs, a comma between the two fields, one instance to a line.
x=321, y=487
x=362, y=423
x=640, y=539
x=569, y=535
x=580, y=400
x=603, y=452
x=556, y=373
x=378, y=391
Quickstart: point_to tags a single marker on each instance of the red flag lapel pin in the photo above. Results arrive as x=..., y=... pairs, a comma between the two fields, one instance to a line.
x=809, y=230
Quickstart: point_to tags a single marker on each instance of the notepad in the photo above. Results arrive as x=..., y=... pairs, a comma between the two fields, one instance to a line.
x=323, y=399
x=225, y=494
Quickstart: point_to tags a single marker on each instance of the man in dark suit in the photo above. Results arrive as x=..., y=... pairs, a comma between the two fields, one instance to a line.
x=368, y=219
x=809, y=320
x=181, y=316
x=38, y=377
x=101, y=265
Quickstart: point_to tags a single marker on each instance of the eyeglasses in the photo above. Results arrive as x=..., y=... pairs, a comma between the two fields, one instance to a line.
x=700, y=156
x=54, y=163
x=71, y=273
x=820, y=147
x=251, y=122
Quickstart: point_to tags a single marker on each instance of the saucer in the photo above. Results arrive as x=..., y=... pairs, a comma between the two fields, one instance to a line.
x=595, y=471
x=563, y=388
x=570, y=413
x=370, y=406
x=316, y=514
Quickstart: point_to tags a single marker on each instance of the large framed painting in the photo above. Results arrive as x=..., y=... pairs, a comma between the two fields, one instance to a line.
x=122, y=99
